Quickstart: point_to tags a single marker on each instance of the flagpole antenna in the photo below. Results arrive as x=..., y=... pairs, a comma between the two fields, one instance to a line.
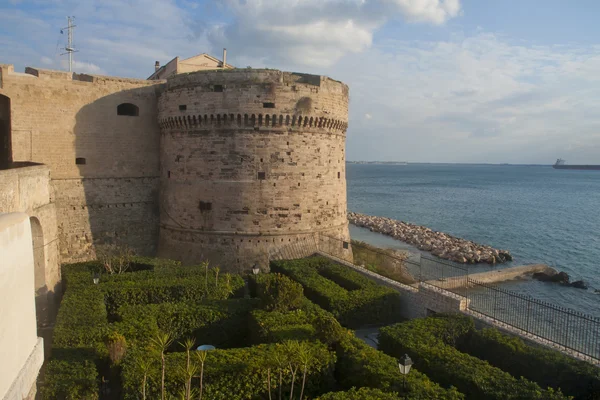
x=69, y=49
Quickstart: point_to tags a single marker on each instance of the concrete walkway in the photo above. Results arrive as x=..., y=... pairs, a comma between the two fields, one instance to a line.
x=499, y=275
x=368, y=335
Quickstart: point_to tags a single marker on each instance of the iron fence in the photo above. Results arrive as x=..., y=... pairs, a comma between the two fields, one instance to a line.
x=559, y=325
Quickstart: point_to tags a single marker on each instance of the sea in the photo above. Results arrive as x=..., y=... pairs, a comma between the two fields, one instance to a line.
x=539, y=214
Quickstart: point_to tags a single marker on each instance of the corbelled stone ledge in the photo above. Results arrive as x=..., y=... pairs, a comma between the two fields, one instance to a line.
x=439, y=244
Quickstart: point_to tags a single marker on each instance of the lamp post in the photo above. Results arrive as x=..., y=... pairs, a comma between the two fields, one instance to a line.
x=96, y=278
x=255, y=269
x=404, y=364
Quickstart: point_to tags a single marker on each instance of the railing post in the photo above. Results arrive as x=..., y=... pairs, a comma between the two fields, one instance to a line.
x=528, y=314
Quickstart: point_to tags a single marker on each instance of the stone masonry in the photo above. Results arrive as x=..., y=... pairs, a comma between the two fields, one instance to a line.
x=251, y=160
x=219, y=165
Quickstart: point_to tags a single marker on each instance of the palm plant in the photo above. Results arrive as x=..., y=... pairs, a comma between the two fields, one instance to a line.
x=291, y=351
x=161, y=343
x=305, y=357
x=188, y=344
x=201, y=354
x=216, y=269
x=279, y=360
x=144, y=364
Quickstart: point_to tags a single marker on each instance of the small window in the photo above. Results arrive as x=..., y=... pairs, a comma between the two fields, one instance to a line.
x=128, y=109
x=261, y=175
x=339, y=175
x=182, y=107
x=268, y=105
x=80, y=161
x=345, y=245
x=217, y=88
x=205, y=206
x=168, y=174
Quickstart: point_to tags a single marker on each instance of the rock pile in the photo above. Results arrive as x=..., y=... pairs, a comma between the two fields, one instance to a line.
x=438, y=243
x=559, y=277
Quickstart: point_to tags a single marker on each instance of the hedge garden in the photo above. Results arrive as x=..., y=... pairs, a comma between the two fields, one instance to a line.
x=285, y=334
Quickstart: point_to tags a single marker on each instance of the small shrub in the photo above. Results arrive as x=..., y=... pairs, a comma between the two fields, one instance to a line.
x=278, y=292
x=71, y=379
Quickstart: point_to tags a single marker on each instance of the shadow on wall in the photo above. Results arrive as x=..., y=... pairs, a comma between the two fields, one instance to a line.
x=111, y=195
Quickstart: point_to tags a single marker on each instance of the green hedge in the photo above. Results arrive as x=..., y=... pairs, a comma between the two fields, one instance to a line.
x=310, y=322
x=74, y=378
x=363, y=366
x=429, y=341
x=234, y=374
x=223, y=323
x=78, y=345
x=360, y=394
x=82, y=272
x=168, y=289
x=367, y=303
x=548, y=368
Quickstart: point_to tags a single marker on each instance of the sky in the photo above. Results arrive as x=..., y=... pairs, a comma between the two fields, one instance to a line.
x=494, y=81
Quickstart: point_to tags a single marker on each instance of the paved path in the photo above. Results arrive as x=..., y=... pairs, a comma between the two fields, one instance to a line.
x=368, y=335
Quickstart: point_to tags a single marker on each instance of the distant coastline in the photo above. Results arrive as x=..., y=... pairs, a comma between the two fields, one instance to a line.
x=441, y=163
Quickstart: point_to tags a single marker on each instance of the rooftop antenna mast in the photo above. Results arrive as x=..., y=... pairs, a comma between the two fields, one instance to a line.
x=69, y=49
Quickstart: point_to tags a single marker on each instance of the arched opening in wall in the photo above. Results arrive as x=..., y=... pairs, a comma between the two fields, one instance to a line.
x=39, y=272
x=128, y=109
x=5, y=137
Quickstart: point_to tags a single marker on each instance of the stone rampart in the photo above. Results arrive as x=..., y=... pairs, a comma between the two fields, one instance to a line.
x=104, y=166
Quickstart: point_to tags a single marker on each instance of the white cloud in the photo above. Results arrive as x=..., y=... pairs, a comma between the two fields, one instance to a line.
x=368, y=116
x=477, y=99
x=316, y=32
x=433, y=11
x=47, y=60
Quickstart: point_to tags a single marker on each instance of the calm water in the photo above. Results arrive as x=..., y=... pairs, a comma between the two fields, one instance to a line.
x=540, y=214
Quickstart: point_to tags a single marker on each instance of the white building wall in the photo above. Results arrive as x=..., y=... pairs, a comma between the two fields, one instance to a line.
x=21, y=351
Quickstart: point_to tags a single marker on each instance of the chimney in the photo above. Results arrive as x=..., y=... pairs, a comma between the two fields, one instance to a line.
x=224, y=58
x=156, y=66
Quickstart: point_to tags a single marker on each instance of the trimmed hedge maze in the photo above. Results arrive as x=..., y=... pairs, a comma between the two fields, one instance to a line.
x=284, y=335
x=351, y=297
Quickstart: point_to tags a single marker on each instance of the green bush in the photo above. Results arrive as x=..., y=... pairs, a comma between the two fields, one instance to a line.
x=363, y=366
x=546, y=367
x=367, y=303
x=360, y=394
x=78, y=345
x=82, y=272
x=235, y=374
x=82, y=320
x=223, y=323
x=428, y=342
x=156, y=289
x=278, y=292
x=275, y=326
x=310, y=322
x=71, y=379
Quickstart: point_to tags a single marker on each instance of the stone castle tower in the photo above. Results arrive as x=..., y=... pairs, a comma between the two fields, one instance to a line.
x=225, y=165
x=250, y=160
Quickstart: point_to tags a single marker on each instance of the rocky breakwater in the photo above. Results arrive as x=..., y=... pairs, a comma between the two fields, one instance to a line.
x=439, y=244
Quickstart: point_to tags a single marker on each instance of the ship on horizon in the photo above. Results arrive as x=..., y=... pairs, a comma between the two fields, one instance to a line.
x=561, y=164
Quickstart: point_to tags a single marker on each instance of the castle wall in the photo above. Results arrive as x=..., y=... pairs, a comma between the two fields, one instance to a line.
x=251, y=160
x=104, y=167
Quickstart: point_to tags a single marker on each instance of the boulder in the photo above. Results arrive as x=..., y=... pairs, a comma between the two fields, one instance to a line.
x=580, y=285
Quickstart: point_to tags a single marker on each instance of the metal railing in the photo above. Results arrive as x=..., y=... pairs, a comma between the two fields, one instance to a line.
x=562, y=326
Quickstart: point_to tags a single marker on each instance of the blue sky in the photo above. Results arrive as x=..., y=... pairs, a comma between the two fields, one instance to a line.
x=430, y=80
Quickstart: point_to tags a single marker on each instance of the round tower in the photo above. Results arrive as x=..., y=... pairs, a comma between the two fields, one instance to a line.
x=252, y=165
